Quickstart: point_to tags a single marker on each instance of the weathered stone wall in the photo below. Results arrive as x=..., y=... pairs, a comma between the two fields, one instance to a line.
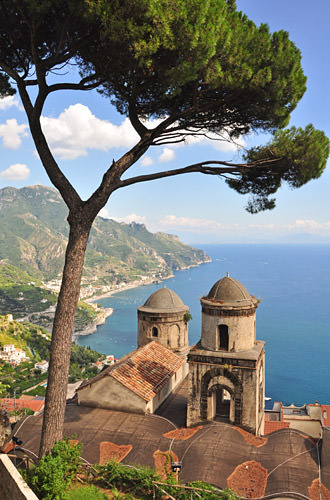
x=241, y=328
x=172, y=330
x=12, y=485
x=242, y=378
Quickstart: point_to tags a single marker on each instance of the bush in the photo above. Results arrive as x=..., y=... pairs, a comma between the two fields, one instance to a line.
x=86, y=493
x=52, y=476
x=139, y=481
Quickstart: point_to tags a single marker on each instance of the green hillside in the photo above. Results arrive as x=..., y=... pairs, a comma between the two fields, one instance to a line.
x=34, y=232
x=35, y=341
x=19, y=295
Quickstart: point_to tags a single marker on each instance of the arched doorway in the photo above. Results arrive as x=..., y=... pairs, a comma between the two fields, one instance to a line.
x=221, y=404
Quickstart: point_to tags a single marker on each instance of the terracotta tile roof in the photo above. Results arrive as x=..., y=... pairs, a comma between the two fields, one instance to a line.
x=144, y=371
x=272, y=426
x=326, y=415
x=34, y=405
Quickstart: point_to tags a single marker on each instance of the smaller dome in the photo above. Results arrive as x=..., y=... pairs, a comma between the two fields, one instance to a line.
x=228, y=291
x=163, y=300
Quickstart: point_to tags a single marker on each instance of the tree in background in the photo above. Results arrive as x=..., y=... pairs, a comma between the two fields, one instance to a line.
x=176, y=69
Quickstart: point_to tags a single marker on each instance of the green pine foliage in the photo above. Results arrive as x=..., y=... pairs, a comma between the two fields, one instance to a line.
x=178, y=52
x=208, y=67
x=204, y=66
x=300, y=156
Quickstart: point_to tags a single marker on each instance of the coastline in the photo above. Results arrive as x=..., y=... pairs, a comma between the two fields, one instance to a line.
x=100, y=320
x=128, y=286
x=137, y=283
x=92, y=327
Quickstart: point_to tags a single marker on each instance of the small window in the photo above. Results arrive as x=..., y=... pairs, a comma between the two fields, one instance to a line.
x=223, y=337
x=154, y=331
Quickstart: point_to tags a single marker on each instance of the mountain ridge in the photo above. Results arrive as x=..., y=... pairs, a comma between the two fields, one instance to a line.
x=34, y=232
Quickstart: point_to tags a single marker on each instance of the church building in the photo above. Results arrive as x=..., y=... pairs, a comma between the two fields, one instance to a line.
x=227, y=365
x=225, y=369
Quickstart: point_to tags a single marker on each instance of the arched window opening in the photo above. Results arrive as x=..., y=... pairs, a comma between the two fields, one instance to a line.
x=223, y=337
x=154, y=331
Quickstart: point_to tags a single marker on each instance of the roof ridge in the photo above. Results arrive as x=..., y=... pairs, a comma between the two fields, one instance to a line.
x=236, y=283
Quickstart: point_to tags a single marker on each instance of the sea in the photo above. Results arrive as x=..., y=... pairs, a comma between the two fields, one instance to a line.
x=293, y=316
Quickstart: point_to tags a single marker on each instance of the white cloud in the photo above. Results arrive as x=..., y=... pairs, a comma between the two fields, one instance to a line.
x=77, y=130
x=191, y=224
x=8, y=102
x=299, y=225
x=146, y=161
x=16, y=172
x=308, y=226
x=104, y=212
x=141, y=219
x=199, y=225
x=167, y=155
x=12, y=133
x=220, y=142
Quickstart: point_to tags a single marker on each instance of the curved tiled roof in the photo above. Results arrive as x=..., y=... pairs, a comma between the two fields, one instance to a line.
x=163, y=300
x=230, y=291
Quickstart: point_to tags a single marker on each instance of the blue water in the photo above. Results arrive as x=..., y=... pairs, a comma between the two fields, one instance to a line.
x=293, y=283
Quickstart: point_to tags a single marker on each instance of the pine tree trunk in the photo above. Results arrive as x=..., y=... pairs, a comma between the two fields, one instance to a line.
x=58, y=373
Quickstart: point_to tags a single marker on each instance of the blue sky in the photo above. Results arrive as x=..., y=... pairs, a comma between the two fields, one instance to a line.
x=85, y=134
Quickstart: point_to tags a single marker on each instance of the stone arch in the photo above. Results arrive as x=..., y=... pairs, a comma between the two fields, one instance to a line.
x=218, y=406
x=224, y=378
x=175, y=336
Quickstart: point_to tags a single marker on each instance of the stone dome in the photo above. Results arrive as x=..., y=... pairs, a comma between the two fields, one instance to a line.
x=164, y=300
x=228, y=291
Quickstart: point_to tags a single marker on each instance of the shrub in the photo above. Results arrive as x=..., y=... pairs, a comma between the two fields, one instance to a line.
x=52, y=476
x=86, y=493
x=140, y=481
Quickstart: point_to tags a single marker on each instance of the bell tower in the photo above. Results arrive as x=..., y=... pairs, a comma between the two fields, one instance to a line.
x=227, y=366
x=164, y=318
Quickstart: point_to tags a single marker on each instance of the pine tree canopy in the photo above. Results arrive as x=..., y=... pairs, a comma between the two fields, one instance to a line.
x=194, y=68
